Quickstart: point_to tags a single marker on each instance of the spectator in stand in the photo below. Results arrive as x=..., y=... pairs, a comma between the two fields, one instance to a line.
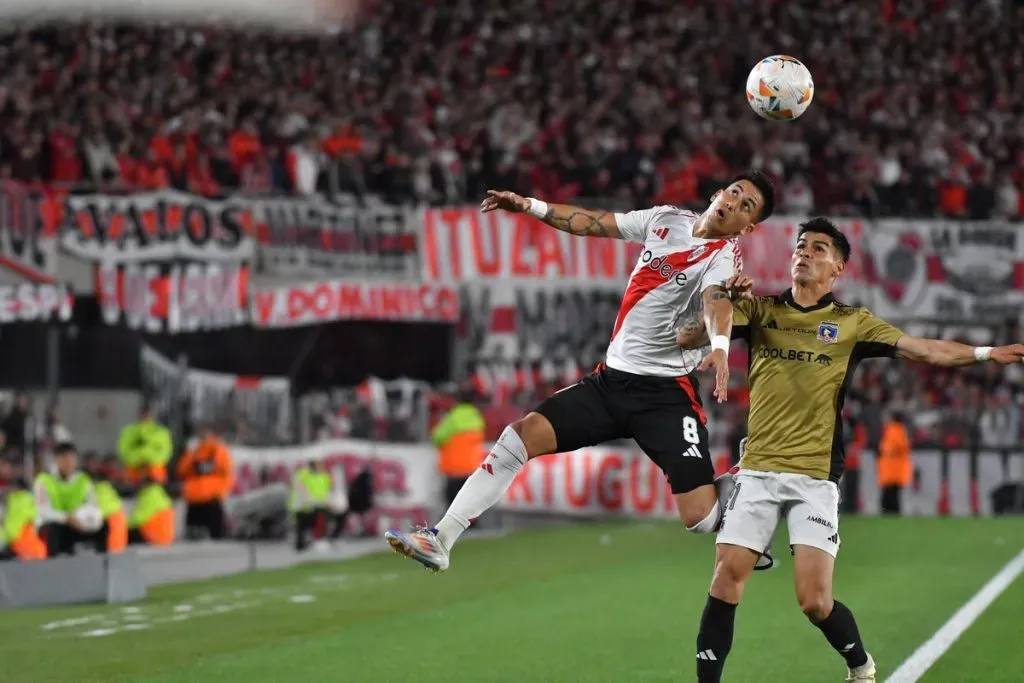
x=50, y=431
x=14, y=427
x=999, y=423
x=476, y=80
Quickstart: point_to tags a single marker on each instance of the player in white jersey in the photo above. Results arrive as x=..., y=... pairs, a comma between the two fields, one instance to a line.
x=647, y=387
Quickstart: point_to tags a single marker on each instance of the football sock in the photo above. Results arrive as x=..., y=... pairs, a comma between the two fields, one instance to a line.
x=840, y=630
x=484, y=488
x=714, y=640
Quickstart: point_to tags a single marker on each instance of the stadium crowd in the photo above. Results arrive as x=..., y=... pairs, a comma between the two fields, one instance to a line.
x=919, y=112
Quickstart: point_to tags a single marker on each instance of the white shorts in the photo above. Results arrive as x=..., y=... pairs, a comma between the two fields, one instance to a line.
x=761, y=499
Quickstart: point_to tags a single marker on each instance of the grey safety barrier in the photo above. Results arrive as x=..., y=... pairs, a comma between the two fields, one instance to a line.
x=85, y=578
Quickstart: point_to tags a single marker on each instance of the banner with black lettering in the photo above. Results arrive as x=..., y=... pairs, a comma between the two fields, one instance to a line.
x=174, y=296
x=154, y=226
x=314, y=236
x=529, y=320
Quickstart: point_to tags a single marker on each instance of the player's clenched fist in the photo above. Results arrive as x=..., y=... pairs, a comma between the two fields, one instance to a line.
x=508, y=201
x=740, y=286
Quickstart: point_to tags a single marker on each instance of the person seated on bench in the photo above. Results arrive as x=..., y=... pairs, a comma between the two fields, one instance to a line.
x=109, y=501
x=67, y=506
x=317, y=500
x=18, y=537
x=152, y=519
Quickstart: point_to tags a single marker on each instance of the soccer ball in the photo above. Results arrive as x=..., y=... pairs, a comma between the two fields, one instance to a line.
x=780, y=88
x=89, y=518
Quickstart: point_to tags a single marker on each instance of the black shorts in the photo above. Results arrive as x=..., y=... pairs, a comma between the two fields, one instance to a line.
x=663, y=415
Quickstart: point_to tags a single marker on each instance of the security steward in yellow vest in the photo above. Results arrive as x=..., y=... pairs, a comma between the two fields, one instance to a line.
x=459, y=438
x=67, y=506
x=145, y=447
x=313, y=502
x=18, y=537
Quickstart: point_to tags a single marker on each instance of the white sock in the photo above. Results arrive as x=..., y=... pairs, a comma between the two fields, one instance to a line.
x=484, y=488
x=710, y=523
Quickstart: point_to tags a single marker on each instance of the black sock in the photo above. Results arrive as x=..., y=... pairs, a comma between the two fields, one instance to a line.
x=714, y=639
x=840, y=630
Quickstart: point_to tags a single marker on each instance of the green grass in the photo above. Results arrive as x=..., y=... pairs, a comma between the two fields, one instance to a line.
x=597, y=603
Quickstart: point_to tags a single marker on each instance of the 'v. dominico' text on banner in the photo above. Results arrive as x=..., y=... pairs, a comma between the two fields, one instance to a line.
x=321, y=302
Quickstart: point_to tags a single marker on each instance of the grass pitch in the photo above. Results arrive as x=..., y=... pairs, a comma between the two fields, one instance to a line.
x=601, y=603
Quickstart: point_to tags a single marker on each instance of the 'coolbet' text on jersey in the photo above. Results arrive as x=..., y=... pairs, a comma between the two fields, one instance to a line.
x=673, y=270
x=802, y=359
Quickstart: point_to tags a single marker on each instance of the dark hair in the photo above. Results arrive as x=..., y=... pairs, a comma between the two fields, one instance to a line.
x=64, y=448
x=765, y=186
x=826, y=227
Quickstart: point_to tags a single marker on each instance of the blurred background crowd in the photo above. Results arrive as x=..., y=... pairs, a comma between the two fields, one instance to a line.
x=919, y=106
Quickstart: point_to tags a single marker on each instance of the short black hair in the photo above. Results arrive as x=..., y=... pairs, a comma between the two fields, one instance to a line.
x=824, y=226
x=765, y=186
x=65, y=448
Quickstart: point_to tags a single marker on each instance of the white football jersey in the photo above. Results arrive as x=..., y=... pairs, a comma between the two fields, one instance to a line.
x=666, y=285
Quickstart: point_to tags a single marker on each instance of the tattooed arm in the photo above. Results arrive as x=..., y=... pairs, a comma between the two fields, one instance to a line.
x=717, y=312
x=570, y=219
x=692, y=333
x=718, y=323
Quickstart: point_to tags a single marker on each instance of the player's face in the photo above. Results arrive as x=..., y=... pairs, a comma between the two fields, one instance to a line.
x=815, y=260
x=734, y=210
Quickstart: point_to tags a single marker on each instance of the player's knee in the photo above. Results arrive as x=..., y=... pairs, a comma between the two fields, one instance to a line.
x=536, y=433
x=729, y=578
x=699, y=510
x=815, y=604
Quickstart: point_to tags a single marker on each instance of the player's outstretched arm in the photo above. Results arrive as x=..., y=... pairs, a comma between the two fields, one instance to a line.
x=570, y=219
x=954, y=354
x=718, y=323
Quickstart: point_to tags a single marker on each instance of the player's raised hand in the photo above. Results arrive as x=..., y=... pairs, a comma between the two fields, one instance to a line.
x=1005, y=355
x=740, y=286
x=507, y=201
x=718, y=360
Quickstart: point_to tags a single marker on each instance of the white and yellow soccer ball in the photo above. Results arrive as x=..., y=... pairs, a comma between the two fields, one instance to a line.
x=780, y=88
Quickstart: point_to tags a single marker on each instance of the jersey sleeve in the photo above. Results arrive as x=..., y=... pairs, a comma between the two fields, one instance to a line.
x=723, y=266
x=634, y=226
x=744, y=312
x=875, y=337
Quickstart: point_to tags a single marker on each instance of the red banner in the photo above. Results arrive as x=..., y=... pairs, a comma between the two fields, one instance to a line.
x=464, y=244
x=592, y=482
x=313, y=303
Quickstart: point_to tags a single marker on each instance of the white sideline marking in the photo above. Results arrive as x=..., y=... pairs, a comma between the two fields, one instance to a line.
x=915, y=666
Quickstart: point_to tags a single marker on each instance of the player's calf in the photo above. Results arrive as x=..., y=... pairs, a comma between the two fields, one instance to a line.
x=519, y=442
x=733, y=565
x=813, y=568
